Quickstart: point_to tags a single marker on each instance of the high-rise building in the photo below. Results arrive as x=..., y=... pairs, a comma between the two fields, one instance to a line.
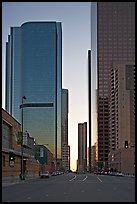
x=122, y=117
x=122, y=105
x=82, y=147
x=64, y=130
x=93, y=82
x=34, y=70
x=89, y=110
x=112, y=42
x=115, y=31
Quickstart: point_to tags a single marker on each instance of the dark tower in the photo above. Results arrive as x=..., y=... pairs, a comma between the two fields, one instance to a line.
x=89, y=95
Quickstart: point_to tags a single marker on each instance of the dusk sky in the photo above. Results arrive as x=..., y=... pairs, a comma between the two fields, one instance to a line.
x=76, y=40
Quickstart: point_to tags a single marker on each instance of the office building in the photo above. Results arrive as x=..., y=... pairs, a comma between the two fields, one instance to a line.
x=64, y=130
x=115, y=31
x=44, y=157
x=122, y=117
x=82, y=147
x=34, y=70
x=89, y=109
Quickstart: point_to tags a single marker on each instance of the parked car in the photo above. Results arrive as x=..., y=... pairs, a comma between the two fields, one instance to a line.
x=44, y=174
x=119, y=174
x=112, y=173
x=54, y=173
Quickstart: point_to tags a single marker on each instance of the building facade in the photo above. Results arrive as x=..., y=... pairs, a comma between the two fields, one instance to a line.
x=115, y=43
x=11, y=169
x=89, y=110
x=122, y=117
x=44, y=157
x=64, y=130
x=82, y=147
x=34, y=70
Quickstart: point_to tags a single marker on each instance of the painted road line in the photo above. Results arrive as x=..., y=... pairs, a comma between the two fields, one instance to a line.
x=73, y=178
x=85, y=178
x=99, y=179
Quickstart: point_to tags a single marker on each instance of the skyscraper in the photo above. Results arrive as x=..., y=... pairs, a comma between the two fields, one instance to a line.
x=34, y=70
x=89, y=111
x=115, y=44
x=64, y=130
x=112, y=42
x=82, y=147
x=122, y=117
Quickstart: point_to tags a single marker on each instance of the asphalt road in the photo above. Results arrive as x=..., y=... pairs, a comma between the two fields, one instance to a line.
x=72, y=188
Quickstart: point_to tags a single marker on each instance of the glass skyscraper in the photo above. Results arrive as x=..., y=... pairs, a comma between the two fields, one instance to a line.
x=34, y=70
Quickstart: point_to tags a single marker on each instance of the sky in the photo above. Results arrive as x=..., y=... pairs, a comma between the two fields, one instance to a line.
x=76, y=41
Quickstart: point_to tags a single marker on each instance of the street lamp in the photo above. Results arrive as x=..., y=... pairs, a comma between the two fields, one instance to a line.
x=22, y=167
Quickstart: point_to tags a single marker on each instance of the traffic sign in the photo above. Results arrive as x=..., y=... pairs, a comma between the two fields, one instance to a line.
x=11, y=163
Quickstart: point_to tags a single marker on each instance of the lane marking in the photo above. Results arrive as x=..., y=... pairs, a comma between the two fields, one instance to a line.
x=85, y=178
x=73, y=178
x=99, y=179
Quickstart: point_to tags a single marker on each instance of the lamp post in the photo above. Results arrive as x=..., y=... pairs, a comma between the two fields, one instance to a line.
x=22, y=167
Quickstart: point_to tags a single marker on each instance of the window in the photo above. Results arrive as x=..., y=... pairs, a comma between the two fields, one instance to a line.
x=3, y=161
x=6, y=130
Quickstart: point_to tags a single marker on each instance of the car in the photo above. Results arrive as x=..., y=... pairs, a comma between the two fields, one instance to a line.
x=112, y=173
x=98, y=172
x=119, y=174
x=44, y=174
x=54, y=173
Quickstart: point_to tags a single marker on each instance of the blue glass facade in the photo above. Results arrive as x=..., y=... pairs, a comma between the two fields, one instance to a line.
x=8, y=76
x=36, y=66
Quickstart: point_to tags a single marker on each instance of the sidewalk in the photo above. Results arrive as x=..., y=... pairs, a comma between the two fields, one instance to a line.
x=8, y=181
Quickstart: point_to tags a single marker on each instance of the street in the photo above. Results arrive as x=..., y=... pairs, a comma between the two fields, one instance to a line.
x=72, y=188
